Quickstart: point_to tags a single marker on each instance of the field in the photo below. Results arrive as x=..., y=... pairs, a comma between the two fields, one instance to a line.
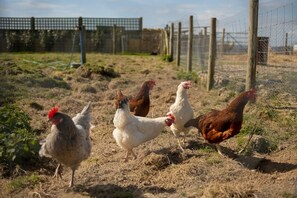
x=267, y=168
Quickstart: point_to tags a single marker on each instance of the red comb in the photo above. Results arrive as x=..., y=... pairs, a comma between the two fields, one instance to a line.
x=152, y=82
x=52, y=112
x=171, y=116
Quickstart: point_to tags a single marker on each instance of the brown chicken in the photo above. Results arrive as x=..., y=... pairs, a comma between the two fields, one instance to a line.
x=140, y=104
x=217, y=126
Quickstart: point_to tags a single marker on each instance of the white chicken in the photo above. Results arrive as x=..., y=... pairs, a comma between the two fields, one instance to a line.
x=182, y=111
x=69, y=140
x=131, y=131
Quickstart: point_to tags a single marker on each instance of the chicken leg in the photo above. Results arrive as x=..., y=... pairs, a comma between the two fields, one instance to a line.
x=72, y=178
x=219, y=149
x=57, y=172
x=127, y=155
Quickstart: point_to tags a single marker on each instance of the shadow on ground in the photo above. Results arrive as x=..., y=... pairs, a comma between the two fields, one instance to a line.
x=113, y=191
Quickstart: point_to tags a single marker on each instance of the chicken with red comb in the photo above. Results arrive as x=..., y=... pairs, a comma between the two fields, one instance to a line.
x=69, y=141
x=131, y=131
x=182, y=111
x=219, y=125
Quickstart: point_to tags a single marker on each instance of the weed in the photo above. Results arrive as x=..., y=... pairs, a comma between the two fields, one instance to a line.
x=182, y=75
x=213, y=159
x=249, y=128
x=167, y=58
x=288, y=195
x=272, y=114
x=206, y=149
x=23, y=181
x=18, y=145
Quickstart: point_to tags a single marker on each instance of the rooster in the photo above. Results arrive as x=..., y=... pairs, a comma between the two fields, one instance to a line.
x=140, y=104
x=131, y=131
x=69, y=141
x=182, y=111
x=217, y=126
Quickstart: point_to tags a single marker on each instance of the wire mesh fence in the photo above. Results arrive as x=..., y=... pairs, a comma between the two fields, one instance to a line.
x=54, y=34
x=276, y=39
x=276, y=70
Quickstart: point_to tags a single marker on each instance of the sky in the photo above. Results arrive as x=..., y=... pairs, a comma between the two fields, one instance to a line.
x=155, y=13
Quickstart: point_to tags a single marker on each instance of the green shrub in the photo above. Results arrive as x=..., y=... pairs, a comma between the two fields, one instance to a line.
x=167, y=58
x=182, y=75
x=18, y=144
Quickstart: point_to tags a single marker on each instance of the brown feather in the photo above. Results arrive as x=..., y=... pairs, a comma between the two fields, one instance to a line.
x=217, y=126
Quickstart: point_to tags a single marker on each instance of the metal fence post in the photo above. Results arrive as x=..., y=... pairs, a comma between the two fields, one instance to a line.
x=252, y=45
x=83, y=59
x=212, y=54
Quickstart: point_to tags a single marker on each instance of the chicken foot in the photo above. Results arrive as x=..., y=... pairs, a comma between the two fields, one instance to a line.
x=57, y=172
x=127, y=155
x=180, y=144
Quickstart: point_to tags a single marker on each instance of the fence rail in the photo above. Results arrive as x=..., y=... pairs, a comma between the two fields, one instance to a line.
x=70, y=23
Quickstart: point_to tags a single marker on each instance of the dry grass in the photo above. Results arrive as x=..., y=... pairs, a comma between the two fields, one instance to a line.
x=160, y=170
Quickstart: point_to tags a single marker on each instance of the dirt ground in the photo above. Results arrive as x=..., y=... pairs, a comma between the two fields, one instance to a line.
x=161, y=169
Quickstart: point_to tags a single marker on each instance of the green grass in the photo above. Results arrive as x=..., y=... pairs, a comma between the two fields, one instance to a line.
x=214, y=159
x=24, y=181
x=22, y=72
x=206, y=149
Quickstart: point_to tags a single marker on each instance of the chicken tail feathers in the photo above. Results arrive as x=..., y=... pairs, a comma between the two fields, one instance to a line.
x=192, y=123
x=84, y=117
x=87, y=109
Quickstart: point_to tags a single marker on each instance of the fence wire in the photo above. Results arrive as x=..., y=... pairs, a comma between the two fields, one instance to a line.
x=56, y=34
x=276, y=74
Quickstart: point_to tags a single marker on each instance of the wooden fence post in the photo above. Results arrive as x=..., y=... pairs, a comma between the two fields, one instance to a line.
x=114, y=38
x=252, y=45
x=171, y=41
x=140, y=47
x=178, y=47
x=32, y=21
x=166, y=41
x=190, y=45
x=32, y=34
x=286, y=44
x=223, y=43
x=80, y=23
x=205, y=48
x=140, y=24
x=212, y=54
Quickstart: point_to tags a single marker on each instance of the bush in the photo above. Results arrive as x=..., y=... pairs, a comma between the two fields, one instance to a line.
x=167, y=58
x=182, y=75
x=18, y=144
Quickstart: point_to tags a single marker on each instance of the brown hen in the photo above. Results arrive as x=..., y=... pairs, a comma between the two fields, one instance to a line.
x=217, y=126
x=140, y=104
